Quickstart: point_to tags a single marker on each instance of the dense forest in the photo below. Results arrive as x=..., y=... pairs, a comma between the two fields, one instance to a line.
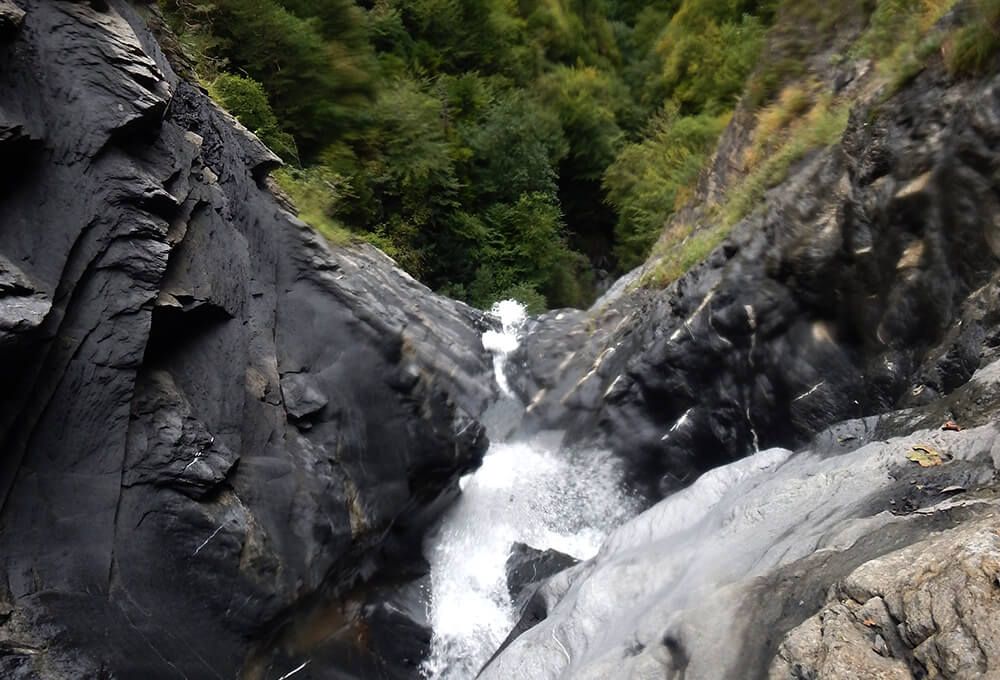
x=500, y=148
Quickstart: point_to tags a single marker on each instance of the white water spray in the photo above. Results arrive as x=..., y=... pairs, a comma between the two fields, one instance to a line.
x=530, y=492
x=512, y=315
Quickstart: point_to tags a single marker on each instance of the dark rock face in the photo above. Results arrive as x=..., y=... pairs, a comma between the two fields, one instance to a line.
x=528, y=572
x=400, y=630
x=528, y=566
x=215, y=428
x=869, y=282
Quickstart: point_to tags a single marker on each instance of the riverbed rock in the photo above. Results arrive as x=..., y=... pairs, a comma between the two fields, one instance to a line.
x=832, y=562
x=217, y=428
x=527, y=566
x=399, y=628
x=931, y=609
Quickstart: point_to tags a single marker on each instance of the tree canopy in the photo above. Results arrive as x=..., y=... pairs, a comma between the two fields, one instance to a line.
x=493, y=147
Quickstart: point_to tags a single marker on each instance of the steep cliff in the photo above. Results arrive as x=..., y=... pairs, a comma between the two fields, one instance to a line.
x=215, y=428
x=864, y=282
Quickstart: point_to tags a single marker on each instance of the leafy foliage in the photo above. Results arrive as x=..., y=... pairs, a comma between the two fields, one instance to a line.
x=977, y=42
x=647, y=179
x=491, y=147
x=316, y=86
x=246, y=99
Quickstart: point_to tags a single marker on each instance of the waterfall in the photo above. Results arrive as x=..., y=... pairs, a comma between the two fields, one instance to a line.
x=529, y=491
x=511, y=314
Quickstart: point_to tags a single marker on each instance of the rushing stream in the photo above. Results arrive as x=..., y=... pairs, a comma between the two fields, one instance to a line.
x=529, y=491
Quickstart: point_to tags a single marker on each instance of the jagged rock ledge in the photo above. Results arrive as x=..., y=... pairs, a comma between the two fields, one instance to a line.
x=217, y=432
x=869, y=281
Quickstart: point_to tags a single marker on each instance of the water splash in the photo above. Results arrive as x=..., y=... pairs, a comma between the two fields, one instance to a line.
x=511, y=314
x=531, y=492
x=524, y=492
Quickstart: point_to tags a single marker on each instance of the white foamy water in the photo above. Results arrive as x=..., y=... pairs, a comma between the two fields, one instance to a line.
x=530, y=492
x=512, y=316
x=523, y=493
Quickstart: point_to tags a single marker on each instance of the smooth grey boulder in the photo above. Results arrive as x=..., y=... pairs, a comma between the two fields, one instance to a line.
x=216, y=429
x=730, y=577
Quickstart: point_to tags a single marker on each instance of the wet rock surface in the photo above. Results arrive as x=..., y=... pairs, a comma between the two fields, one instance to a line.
x=827, y=563
x=867, y=283
x=528, y=566
x=215, y=426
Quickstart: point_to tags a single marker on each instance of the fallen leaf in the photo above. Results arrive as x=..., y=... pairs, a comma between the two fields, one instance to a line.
x=869, y=622
x=925, y=456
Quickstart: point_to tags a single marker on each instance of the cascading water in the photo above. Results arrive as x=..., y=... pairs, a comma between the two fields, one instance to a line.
x=511, y=314
x=528, y=491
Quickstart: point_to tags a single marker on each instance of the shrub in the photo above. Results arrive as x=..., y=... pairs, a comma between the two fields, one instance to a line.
x=315, y=192
x=246, y=99
x=647, y=178
x=898, y=25
x=705, y=60
x=773, y=120
x=975, y=44
x=900, y=38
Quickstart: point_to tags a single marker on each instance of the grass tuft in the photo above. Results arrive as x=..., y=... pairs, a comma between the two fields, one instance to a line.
x=821, y=126
x=900, y=38
x=781, y=139
x=314, y=192
x=974, y=46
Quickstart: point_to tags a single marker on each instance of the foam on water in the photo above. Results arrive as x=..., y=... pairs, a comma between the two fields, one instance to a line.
x=511, y=314
x=530, y=492
x=523, y=493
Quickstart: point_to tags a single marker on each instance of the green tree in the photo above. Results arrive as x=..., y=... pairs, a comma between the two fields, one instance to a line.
x=317, y=87
x=646, y=179
x=515, y=149
x=247, y=100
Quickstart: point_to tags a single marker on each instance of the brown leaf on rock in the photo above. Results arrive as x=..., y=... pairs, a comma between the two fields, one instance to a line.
x=925, y=455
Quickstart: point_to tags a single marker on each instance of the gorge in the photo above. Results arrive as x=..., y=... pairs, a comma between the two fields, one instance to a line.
x=231, y=448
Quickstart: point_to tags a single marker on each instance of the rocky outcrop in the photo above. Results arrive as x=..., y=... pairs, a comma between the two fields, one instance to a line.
x=216, y=429
x=848, y=559
x=528, y=566
x=868, y=282
x=931, y=609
